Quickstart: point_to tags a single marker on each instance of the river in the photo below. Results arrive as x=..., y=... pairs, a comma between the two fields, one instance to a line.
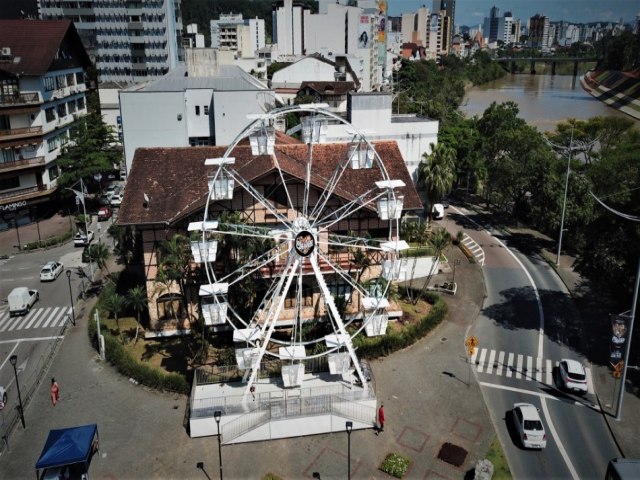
x=544, y=100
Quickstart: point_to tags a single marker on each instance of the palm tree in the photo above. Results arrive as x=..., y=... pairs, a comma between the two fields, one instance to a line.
x=100, y=253
x=137, y=299
x=437, y=172
x=439, y=241
x=114, y=303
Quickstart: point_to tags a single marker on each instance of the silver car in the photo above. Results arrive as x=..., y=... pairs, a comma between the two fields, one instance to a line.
x=51, y=271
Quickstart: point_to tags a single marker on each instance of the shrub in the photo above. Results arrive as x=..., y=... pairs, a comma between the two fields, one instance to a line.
x=395, y=464
x=373, y=347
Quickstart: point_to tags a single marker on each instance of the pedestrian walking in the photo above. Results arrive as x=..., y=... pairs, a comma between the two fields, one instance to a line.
x=380, y=419
x=55, y=392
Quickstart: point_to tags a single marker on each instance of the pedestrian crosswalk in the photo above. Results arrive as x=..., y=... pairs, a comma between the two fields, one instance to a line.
x=49, y=317
x=518, y=366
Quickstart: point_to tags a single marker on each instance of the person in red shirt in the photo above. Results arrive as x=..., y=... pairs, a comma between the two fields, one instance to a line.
x=381, y=419
x=55, y=392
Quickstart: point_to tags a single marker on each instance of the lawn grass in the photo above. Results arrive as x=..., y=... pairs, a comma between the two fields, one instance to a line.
x=500, y=465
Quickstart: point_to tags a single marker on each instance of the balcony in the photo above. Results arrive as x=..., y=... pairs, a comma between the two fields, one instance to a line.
x=16, y=136
x=26, y=193
x=22, y=164
x=19, y=99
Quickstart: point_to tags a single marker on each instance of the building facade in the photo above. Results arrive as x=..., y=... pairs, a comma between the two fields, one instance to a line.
x=539, y=32
x=131, y=41
x=233, y=32
x=42, y=93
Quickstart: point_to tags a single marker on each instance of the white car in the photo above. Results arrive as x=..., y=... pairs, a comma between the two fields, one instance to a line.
x=437, y=212
x=81, y=239
x=51, y=271
x=116, y=200
x=3, y=395
x=529, y=426
x=572, y=376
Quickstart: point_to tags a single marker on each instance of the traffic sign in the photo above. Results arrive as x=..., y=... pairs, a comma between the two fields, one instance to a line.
x=471, y=350
x=471, y=341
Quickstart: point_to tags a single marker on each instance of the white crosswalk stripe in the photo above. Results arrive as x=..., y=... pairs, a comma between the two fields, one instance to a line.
x=523, y=367
x=48, y=317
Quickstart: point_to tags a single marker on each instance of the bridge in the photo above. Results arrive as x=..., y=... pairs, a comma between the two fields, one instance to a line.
x=553, y=60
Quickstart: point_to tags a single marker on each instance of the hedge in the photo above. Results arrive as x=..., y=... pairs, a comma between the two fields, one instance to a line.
x=128, y=366
x=374, y=347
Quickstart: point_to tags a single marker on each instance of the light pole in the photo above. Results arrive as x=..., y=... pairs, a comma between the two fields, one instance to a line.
x=217, y=414
x=73, y=312
x=349, y=427
x=14, y=359
x=564, y=202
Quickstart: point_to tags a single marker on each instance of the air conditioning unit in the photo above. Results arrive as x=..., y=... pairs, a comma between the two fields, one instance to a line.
x=6, y=51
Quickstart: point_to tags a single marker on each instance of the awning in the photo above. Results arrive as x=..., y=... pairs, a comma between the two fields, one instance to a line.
x=69, y=446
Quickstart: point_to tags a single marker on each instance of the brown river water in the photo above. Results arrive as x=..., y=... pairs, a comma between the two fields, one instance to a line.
x=544, y=100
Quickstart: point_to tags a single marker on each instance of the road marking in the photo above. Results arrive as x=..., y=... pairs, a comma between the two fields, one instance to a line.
x=559, y=444
x=3, y=319
x=481, y=363
x=22, y=321
x=529, y=374
x=492, y=358
x=510, y=365
x=538, y=369
x=549, y=372
x=35, y=339
x=51, y=317
x=500, y=363
x=519, y=367
x=38, y=313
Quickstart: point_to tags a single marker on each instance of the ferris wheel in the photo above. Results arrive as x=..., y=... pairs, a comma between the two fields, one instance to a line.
x=300, y=244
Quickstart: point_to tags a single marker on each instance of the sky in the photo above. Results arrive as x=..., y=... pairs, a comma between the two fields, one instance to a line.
x=472, y=12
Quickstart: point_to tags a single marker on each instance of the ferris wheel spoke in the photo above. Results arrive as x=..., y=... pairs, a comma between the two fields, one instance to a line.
x=347, y=210
x=251, y=267
x=331, y=186
x=258, y=197
x=344, y=275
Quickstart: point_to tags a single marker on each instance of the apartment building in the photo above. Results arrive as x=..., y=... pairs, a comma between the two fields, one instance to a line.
x=43, y=68
x=539, y=32
x=235, y=33
x=131, y=41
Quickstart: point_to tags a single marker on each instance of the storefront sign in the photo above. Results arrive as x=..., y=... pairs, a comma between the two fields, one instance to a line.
x=12, y=207
x=619, y=329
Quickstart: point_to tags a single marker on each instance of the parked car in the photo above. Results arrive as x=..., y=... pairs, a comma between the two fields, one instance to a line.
x=3, y=394
x=82, y=238
x=104, y=213
x=111, y=190
x=572, y=376
x=51, y=271
x=529, y=426
x=437, y=212
x=21, y=299
x=104, y=199
x=116, y=200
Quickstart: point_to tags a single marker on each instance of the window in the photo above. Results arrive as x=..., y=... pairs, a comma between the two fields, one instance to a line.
x=80, y=103
x=54, y=172
x=206, y=109
x=62, y=110
x=197, y=109
x=49, y=114
x=52, y=144
x=49, y=84
x=61, y=81
x=9, y=87
x=9, y=183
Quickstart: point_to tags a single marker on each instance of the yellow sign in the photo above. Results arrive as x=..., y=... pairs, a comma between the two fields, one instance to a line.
x=471, y=341
x=471, y=350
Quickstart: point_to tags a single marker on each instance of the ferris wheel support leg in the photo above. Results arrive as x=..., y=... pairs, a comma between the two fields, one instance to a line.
x=334, y=312
x=271, y=319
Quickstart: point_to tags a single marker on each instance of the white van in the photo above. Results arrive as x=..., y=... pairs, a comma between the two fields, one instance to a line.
x=21, y=299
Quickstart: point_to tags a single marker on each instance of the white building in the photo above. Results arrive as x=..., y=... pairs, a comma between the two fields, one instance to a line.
x=232, y=32
x=130, y=41
x=287, y=31
x=207, y=105
x=43, y=68
x=372, y=114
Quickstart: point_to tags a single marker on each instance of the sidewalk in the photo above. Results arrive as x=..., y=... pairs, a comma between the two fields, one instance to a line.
x=33, y=232
x=426, y=391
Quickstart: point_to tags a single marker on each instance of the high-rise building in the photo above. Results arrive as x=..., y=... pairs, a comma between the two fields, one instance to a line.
x=539, y=32
x=43, y=68
x=129, y=41
x=233, y=32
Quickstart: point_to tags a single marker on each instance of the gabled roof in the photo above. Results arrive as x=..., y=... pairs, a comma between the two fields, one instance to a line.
x=34, y=45
x=175, y=179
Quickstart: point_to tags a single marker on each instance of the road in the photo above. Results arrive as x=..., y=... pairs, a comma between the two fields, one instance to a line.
x=32, y=337
x=527, y=325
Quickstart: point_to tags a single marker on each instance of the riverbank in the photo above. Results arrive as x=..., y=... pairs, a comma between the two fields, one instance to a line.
x=619, y=90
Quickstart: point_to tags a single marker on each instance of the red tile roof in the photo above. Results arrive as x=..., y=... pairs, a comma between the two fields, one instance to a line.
x=35, y=43
x=175, y=179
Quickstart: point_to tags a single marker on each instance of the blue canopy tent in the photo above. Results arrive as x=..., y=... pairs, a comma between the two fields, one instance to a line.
x=69, y=447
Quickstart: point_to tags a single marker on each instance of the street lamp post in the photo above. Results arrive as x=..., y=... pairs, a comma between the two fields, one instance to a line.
x=349, y=427
x=73, y=312
x=14, y=359
x=217, y=414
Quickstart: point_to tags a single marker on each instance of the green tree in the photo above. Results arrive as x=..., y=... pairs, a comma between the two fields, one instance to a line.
x=115, y=304
x=100, y=253
x=437, y=172
x=138, y=301
x=439, y=240
x=90, y=150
